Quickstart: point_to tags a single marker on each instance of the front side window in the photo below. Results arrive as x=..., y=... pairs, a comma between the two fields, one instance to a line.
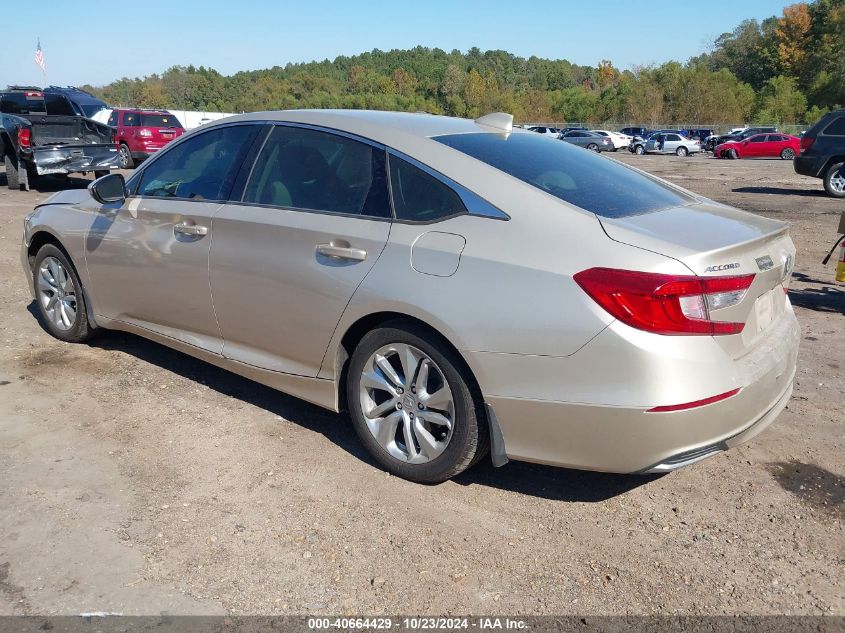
x=313, y=170
x=113, y=118
x=420, y=197
x=757, y=139
x=203, y=167
x=584, y=179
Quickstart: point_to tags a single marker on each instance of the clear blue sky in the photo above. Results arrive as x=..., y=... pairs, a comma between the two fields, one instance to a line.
x=96, y=42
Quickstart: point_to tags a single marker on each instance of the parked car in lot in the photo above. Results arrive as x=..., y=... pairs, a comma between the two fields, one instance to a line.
x=38, y=137
x=589, y=140
x=669, y=143
x=640, y=132
x=823, y=153
x=700, y=134
x=738, y=136
x=760, y=146
x=72, y=101
x=141, y=133
x=345, y=257
x=620, y=141
x=549, y=131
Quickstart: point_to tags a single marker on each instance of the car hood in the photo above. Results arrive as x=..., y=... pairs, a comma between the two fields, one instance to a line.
x=68, y=196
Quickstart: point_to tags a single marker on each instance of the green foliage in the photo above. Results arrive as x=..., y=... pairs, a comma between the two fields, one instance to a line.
x=783, y=69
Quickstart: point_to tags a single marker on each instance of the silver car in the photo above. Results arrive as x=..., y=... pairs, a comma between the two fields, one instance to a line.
x=671, y=143
x=589, y=140
x=457, y=286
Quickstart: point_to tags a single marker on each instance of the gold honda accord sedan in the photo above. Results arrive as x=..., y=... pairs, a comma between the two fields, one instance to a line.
x=459, y=287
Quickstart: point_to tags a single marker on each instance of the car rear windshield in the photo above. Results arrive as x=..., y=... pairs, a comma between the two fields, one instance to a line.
x=159, y=120
x=22, y=103
x=575, y=175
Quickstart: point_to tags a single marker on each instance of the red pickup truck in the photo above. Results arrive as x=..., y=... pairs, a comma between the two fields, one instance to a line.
x=141, y=133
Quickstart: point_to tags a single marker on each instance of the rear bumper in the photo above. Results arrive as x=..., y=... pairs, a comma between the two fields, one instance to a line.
x=560, y=417
x=73, y=159
x=807, y=166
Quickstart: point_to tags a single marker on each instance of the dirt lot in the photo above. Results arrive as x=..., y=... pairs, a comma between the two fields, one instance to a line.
x=137, y=480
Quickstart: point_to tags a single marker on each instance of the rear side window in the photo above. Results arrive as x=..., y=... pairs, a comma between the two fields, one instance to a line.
x=130, y=119
x=203, y=167
x=420, y=197
x=584, y=179
x=314, y=170
x=836, y=127
x=159, y=120
x=58, y=104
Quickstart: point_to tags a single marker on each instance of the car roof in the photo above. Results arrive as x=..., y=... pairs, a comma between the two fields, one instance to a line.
x=386, y=127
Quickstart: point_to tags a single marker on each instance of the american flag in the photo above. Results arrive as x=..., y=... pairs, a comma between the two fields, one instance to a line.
x=39, y=57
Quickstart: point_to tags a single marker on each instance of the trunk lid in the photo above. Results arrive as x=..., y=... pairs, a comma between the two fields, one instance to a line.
x=715, y=240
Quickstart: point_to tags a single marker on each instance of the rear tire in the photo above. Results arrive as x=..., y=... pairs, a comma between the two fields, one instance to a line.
x=125, y=157
x=382, y=394
x=12, y=177
x=59, y=295
x=834, y=182
x=681, y=151
x=787, y=153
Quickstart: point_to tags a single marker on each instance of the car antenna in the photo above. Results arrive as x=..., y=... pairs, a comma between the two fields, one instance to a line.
x=499, y=120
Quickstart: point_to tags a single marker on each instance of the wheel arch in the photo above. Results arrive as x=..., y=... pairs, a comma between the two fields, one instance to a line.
x=367, y=323
x=833, y=160
x=40, y=238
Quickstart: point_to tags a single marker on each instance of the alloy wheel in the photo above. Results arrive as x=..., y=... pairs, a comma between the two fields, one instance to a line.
x=837, y=182
x=407, y=403
x=125, y=157
x=57, y=293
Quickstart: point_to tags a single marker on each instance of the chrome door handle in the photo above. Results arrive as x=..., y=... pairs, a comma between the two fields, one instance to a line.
x=342, y=252
x=190, y=229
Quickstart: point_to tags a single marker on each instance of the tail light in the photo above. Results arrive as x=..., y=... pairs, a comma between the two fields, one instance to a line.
x=145, y=133
x=666, y=304
x=807, y=142
x=25, y=138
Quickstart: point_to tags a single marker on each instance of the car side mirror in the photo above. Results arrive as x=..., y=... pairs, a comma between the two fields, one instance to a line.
x=108, y=189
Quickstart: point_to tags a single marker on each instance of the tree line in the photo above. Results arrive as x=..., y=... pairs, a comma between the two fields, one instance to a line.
x=785, y=69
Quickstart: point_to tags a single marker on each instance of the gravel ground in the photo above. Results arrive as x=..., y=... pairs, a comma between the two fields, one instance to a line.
x=137, y=480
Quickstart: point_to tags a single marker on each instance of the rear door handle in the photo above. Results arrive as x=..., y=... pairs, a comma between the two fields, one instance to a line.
x=342, y=251
x=190, y=229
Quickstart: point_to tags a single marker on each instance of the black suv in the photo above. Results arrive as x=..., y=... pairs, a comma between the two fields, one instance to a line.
x=71, y=101
x=823, y=153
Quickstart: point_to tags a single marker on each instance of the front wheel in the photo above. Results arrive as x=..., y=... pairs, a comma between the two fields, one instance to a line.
x=59, y=295
x=732, y=154
x=593, y=147
x=411, y=405
x=681, y=151
x=834, y=181
x=787, y=153
x=639, y=150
